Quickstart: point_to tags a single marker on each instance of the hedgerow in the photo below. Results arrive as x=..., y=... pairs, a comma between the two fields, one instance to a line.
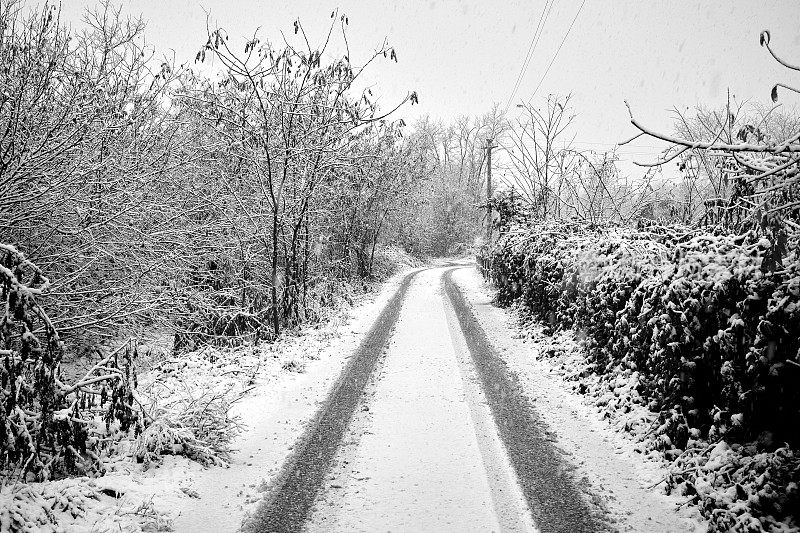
x=49, y=428
x=704, y=328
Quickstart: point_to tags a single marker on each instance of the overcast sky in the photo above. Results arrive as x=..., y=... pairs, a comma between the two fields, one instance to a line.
x=461, y=57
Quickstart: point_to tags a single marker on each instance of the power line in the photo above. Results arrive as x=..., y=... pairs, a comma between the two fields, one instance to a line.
x=543, y=16
x=559, y=49
x=531, y=48
x=529, y=58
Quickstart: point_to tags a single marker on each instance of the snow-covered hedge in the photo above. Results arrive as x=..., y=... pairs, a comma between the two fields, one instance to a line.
x=49, y=428
x=705, y=329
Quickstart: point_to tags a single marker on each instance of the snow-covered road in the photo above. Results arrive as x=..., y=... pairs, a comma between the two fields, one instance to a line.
x=460, y=426
x=619, y=482
x=422, y=454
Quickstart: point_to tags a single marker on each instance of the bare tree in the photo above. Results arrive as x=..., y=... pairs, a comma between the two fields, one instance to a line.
x=757, y=169
x=289, y=121
x=453, y=159
x=85, y=139
x=540, y=154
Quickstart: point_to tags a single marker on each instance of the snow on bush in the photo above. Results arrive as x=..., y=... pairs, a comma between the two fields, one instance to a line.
x=187, y=403
x=76, y=505
x=48, y=428
x=696, y=327
x=198, y=426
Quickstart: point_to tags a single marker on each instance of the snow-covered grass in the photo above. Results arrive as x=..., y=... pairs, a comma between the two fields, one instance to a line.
x=220, y=423
x=76, y=505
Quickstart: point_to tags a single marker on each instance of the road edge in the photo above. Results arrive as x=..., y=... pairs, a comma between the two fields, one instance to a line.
x=292, y=493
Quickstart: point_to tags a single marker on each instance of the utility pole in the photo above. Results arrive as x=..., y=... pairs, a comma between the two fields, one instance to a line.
x=489, y=147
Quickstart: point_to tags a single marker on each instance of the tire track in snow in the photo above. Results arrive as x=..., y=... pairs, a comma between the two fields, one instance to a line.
x=423, y=453
x=545, y=479
x=289, y=499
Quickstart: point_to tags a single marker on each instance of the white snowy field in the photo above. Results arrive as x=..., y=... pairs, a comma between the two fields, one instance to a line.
x=279, y=388
x=615, y=476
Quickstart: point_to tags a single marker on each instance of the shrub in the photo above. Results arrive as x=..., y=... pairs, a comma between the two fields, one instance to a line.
x=704, y=326
x=710, y=332
x=49, y=428
x=200, y=428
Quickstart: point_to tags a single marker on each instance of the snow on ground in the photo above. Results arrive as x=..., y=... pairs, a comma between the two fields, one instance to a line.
x=624, y=481
x=422, y=453
x=274, y=390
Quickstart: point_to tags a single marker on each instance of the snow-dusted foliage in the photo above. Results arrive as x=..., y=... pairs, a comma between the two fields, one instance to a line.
x=77, y=505
x=187, y=403
x=702, y=329
x=49, y=428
